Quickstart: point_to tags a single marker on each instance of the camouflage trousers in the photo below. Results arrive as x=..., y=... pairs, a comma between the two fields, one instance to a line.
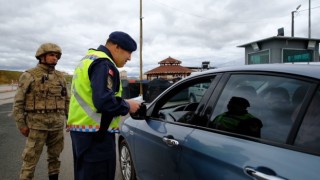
x=33, y=149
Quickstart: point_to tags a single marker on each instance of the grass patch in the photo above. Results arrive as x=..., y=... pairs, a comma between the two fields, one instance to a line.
x=7, y=77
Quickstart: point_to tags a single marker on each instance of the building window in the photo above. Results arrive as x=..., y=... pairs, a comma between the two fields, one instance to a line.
x=261, y=57
x=297, y=55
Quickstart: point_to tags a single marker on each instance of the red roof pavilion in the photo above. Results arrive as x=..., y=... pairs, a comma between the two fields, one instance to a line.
x=169, y=69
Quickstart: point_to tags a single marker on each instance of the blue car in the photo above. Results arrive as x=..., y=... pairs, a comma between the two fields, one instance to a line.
x=250, y=122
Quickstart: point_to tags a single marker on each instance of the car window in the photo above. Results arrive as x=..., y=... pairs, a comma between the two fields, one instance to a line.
x=181, y=102
x=196, y=92
x=259, y=105
x=308, y=135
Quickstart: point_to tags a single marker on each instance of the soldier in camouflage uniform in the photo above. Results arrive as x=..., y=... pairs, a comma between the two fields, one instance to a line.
x=40, y=109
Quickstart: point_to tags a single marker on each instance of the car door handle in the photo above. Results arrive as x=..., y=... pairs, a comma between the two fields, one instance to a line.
x=261, y=176
x=170, y=142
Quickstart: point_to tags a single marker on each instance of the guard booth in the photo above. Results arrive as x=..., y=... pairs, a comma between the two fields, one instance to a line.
x=131, y=88
x=281, y=49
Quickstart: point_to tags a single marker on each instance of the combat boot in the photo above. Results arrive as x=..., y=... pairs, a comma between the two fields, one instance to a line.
x=53, y=177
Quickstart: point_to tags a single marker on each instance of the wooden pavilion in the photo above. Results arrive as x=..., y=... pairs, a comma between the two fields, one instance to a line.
x=169, y=69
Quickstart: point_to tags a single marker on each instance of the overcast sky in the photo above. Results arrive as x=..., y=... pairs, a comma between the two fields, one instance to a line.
x=191, y=31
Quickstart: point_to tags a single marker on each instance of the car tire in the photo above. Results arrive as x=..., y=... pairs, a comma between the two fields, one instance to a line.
x=126, y=164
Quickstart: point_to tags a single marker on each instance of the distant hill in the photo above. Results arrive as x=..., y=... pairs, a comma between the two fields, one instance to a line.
x=7, y=77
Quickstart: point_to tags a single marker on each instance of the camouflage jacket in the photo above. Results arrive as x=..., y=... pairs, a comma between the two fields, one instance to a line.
x=42, y=99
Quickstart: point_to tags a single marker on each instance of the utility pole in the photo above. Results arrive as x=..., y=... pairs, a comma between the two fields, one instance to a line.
x=309, y=24
x=292, y=23
x=292, y=20
x=141, y=90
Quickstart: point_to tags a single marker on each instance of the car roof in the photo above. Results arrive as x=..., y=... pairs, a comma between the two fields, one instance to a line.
x=309, y=70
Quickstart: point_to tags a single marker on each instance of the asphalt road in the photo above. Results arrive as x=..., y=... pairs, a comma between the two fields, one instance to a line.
x=12, y=144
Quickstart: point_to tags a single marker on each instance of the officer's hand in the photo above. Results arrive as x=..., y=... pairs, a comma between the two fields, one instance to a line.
x=24, y=131
x=134, y=105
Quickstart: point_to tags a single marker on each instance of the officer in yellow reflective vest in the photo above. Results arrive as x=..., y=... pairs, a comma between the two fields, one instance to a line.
x=96, y=106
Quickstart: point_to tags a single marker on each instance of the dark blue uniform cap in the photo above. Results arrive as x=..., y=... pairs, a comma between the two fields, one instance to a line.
x=123, y=40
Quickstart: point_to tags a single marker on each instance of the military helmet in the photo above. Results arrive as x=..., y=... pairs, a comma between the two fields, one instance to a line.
x=47, y=48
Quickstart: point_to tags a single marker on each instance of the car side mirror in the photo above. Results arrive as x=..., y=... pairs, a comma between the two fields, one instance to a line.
x=141, y=113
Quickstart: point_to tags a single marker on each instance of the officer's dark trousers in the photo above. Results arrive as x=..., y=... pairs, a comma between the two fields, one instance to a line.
x=94, y=155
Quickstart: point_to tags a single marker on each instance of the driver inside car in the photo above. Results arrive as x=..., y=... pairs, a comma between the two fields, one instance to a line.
x=237, y=119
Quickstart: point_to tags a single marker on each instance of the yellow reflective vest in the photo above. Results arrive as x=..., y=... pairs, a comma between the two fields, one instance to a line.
x=83, y=116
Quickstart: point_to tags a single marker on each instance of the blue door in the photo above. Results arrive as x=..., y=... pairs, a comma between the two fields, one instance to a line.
x=158, y=149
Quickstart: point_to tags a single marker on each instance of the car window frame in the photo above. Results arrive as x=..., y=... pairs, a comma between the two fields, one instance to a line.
x=300, y=117
x=169, y=93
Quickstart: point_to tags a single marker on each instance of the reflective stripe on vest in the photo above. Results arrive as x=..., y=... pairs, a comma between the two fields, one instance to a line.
x=92, y=114
x=83, y=115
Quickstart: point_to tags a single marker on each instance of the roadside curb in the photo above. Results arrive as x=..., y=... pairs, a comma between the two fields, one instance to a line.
x=4, y=88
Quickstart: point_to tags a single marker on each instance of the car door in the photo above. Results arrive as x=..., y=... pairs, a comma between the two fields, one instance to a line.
x=157, y=149
x=158, y=141
x=211, y=153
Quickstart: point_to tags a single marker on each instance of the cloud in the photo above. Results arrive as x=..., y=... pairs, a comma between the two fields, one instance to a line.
x=190, y=31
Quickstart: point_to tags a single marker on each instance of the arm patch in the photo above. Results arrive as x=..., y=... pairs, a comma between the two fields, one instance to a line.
x=110, y=83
